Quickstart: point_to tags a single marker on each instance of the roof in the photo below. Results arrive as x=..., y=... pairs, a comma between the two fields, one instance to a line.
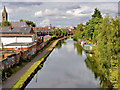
x=19, y=24
x=16, y=35
x=15, y=30
x=42, y=30
x=18, y=44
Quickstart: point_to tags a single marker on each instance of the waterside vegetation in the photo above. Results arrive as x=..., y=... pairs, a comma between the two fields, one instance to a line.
x=104, y=32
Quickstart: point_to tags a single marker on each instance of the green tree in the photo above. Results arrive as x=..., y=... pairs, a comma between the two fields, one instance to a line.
x=108, y=47
x=21, y=20
x=53, y=28
x=30, y=23
x=90, y=27
x=97, y=13
x=78, y=33
x=5, y=23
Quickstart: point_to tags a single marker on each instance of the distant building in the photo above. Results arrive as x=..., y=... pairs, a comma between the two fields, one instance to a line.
x=69, y=30
x=43, y=31
x=18, y=36
x=4, y=15
x=19, y=24
x=16, y=30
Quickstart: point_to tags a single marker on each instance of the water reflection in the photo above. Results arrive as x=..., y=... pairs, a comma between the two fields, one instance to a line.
x=65, y=68
x=60, y=43
x=78, y=47
x=93, y=65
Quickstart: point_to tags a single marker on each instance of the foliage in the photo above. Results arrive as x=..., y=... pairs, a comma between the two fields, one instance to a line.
x=88, y=31
x=5, y=23
x=108, y=48
x=21, y=20
x=104, y=31
x=78, y=48
x=78, y=32
x=97, y=13
x=29, y=23
x=59, y=32
x=32, y=69
x=53, y=28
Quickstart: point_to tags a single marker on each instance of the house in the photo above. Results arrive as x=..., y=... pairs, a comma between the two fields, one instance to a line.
x=42, y=31
x=69, y=30
x=19, y=42
x=16, y=30
x=18, y=38
x=19, y=24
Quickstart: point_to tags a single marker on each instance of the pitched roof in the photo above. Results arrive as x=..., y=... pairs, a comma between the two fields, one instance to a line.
x=15, y=30
x=18, y=44
x=42, y=30
x=19, y=24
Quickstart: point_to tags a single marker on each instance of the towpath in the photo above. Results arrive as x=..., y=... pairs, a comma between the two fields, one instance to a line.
x=16, y=76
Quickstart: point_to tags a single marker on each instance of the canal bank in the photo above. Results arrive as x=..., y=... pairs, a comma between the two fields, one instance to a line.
x=37, y=65
x=65, y=67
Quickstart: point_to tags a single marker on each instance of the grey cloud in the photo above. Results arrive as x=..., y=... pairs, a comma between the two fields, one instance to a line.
x=21, y=4
x=59, y=1
x=26, y=11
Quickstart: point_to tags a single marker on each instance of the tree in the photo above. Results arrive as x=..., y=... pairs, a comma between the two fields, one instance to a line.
x=97, y=13
x=59, y=32
x=90, y=27
x=30, y=23
x=53, y=28
x=108, y=47
x=5, y=23
x=21, y=20
x=78, y=33
x=88, y=31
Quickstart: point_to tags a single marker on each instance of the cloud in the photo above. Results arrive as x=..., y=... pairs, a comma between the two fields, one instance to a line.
x=46, y=12
x=59, y=1
x=61, y=17
x=38, y=14
x=45, y=22
x=79, y=12
x=58, y=13
x=21, y=4
x=16, y=10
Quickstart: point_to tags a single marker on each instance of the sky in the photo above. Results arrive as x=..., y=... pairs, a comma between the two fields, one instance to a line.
x=59, y=14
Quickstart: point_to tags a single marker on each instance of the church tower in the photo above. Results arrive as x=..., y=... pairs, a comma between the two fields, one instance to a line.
x=4, y=15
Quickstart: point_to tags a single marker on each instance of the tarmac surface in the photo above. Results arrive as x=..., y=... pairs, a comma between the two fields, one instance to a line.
x=16, y=76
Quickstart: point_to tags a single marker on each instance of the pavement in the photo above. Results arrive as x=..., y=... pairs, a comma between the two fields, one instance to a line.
x=16, y=76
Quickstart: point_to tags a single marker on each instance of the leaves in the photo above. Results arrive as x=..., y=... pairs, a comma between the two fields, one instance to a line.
x=5, y=23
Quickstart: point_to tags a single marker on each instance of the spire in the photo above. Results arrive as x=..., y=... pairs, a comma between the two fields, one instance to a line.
x=4, y=10
x=4, y=14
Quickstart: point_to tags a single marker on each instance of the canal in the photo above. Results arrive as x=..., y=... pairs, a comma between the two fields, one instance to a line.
x=65, y=67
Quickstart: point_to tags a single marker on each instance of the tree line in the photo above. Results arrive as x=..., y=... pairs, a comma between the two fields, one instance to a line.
x=106, y=33
x=59, y=32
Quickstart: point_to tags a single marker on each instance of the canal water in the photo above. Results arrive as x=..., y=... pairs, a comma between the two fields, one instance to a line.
x=65, y=67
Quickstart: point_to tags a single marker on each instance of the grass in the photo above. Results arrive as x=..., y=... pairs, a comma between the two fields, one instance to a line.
x=21, y=81
x=23, y=62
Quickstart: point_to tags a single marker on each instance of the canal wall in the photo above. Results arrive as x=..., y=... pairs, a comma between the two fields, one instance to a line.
x=25, y=79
